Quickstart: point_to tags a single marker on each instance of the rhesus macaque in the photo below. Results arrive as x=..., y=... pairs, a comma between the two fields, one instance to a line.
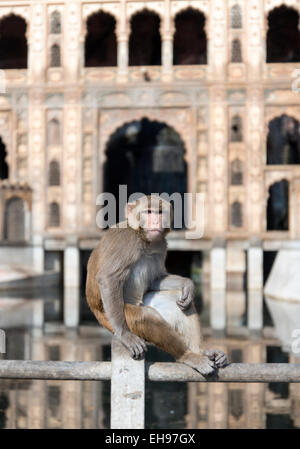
x=132, y=295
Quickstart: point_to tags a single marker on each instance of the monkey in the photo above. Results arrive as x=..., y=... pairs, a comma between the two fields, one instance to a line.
x=131, y=294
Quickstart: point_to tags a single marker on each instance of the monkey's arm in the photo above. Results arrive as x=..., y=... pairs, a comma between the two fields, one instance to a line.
x=174, y=282
x=113, y=271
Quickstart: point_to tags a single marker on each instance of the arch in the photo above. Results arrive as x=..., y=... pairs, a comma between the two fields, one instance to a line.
x=145, y=39
x=148, y=157
x=14, y=219
x=236, y=129
x=283, y=141
x=236, y=51
x=55, y=22
x=100, y=40
x=283, y=36
x=54, y=215
x=13, y=42
x=55, y=58
x=236, y=215
x=278, y=206
x=54, y=134
x=4, y=170
x=190, y=42
x=236, y=20
x=54, y=173
x=236, y=172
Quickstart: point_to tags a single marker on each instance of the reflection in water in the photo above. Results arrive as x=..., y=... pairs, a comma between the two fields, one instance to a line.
x=75, y=404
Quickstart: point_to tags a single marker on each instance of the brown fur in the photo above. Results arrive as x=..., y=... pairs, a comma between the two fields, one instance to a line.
x=121, y=269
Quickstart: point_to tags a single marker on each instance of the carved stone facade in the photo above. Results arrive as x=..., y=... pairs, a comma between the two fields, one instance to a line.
x=65, y=113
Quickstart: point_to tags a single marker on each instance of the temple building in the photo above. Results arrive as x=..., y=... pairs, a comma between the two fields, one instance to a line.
x=199, y=96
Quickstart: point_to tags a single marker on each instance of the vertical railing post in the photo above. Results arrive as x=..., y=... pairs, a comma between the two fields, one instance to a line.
x=127, y=389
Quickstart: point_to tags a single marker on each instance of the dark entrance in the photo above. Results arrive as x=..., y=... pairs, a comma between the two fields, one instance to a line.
x=146, y=156
x=278, y=207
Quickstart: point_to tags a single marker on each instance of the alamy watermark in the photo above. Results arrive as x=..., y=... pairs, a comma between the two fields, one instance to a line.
x=188, y=210
x=296, y=341
x=2, y=342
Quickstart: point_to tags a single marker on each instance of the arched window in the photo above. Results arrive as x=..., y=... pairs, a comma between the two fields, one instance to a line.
x=55, y=22
x=54, y=215
x=54, y=174
x=283, y=37
x=54, y=136
x=236, y=129
x=283, y=142
x=236, y=172
x=190, y=43
x=145, y=40
x=3, y=163
x=13, y=43
x=100, y=42
x=55, y=60
x=14, y=220
x=236, y=51
x=146, y=156
x=236, y=17
x=236, y=215
x=278, y=207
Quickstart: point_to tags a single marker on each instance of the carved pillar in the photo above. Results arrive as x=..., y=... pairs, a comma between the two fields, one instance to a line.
x=36, y=161
x=37, y=43
x=72, y=161
x=256, y=40
x=256, y=203
x=167, y=33
x=217, y=39
x=218, y=162
x=123, y=50
x=72, y=41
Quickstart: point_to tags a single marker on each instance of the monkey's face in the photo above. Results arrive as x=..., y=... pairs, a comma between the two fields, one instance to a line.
x=151, y=218
x=151, y=221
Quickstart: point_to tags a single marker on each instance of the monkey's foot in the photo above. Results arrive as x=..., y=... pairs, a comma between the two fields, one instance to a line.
x=200, y=363
x=136, y=345
x=217, y=356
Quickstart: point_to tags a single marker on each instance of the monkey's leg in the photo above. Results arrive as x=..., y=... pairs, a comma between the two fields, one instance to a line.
x=148, y=324
x=186, y=322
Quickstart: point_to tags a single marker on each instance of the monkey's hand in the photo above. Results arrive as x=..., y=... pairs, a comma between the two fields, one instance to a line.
x=136, y=345
x=217, y=356
x=188, y=294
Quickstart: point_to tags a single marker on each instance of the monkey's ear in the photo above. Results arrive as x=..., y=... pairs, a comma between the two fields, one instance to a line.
x=131, y=213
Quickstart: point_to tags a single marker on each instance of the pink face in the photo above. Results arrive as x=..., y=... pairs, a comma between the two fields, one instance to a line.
x=152, y=223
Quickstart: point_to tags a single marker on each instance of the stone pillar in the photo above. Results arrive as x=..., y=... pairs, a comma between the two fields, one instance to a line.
x=167, y=58
x=71, y=266
x=167, y=32
x=36, y=400
x=256, y=38
x=37, y=43
x=71, y=306
x=127, y=389
x=38, y=253
x=218, y=285
x=255, y=286
x=236, y=298
x=123, y=51
x=71, y=44
x=123, y=56
x=217, y=40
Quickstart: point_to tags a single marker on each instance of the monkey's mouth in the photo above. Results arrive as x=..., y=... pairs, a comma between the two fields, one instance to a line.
x=154, y=232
